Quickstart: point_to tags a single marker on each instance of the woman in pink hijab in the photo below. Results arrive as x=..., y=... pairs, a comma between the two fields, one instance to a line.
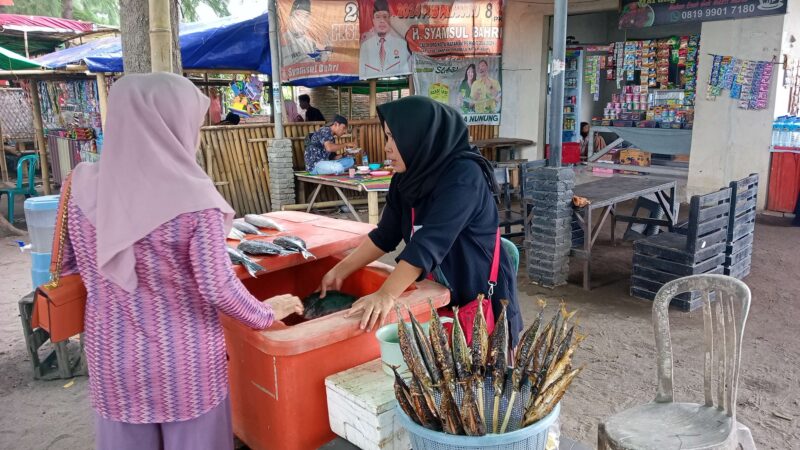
x=147, y=234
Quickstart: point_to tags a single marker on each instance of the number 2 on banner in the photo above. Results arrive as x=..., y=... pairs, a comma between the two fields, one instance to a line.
x=350, y=12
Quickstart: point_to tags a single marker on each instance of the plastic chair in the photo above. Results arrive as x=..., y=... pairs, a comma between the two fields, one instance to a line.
x=513, y=252
x=666, y=424
x=19, y=189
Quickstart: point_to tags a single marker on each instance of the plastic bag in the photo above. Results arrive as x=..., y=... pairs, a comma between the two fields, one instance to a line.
x=553, y=435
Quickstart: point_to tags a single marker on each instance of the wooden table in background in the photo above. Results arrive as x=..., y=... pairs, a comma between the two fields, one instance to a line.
x=495, y=145
x=338, y=183
x=605, y=194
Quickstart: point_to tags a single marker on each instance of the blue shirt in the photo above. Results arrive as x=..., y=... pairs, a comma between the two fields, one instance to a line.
x=315, y=149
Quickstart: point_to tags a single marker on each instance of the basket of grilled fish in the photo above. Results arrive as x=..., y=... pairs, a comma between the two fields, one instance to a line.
x=479, y=395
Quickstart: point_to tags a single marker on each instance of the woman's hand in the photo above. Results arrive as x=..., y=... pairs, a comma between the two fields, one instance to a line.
x=332, y=281
x=284, y=305
x=375, y=308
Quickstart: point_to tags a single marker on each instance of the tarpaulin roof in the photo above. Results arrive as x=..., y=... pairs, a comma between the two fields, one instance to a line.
x=233, y=43
x=12, y=61
x=228, y=43
x=43, y=33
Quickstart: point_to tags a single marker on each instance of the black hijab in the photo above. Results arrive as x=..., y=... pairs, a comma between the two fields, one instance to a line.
x=430, y=136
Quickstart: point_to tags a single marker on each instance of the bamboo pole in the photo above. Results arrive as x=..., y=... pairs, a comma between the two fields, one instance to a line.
x=411, y=88
x=350, y=103
x=339, y=97
x=160, y=36
x=373, y=98
x=38, y=129
x=102, y=95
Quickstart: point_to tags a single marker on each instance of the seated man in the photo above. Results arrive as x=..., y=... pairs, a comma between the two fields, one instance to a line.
x=321, y=149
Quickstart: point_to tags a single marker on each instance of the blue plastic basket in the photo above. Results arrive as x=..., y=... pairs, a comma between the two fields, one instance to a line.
x=533, y=437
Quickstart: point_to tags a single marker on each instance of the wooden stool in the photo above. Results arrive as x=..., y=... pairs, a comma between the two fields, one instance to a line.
x=57, y=364
x=361, y=408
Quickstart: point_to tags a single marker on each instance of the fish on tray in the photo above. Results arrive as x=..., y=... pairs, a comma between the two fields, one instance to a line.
x=257, y=247
x=235, y=234
x=238, y=257
x=295, y=244
x=262, y=222
x=334, y=301
x=246, y=228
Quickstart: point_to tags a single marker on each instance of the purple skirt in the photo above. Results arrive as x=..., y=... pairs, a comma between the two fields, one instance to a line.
x=211, y=431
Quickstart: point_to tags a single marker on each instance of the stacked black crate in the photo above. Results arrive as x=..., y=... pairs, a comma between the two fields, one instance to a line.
x=669, y=256
x=550, y=233
x=741, y=225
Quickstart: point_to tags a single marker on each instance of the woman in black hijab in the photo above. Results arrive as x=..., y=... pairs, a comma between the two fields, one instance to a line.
x=441, y=204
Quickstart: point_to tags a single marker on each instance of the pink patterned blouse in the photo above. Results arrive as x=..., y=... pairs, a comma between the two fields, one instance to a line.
x=158, y=354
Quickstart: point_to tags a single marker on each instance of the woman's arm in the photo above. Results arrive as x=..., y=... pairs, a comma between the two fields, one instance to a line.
x=375, y=308
x=215, y=277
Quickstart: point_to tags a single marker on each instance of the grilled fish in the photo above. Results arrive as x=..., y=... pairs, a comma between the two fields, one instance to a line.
x=441, y=348
x=461, y=354
x=425, y=349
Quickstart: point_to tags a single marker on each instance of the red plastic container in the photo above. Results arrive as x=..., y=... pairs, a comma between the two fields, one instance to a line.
x=278, y=375
x=570, y=152
x=784, y=182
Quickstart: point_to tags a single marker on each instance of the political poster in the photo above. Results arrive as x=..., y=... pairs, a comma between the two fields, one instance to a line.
x=471, y=85
x=648, y=13
x=392, y=31
x=318, y=39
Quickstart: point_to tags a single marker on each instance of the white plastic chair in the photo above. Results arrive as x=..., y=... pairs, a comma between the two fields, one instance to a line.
x=665, y=424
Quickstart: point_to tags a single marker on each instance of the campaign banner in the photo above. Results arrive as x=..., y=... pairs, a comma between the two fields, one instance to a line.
x=648, y=13
x=394, y=30
x=471, y=85
x=318, y=38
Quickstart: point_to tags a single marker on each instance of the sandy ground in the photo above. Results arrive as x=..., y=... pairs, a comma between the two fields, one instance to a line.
x=618, y=354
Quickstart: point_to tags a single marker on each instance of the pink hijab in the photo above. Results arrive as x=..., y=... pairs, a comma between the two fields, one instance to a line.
x=148, y=172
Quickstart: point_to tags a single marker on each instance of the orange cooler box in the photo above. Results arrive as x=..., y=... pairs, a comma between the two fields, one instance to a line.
x=278, y=375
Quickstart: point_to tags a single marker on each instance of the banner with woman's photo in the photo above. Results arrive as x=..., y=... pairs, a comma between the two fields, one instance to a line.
x=319, y=39
x=471, y=85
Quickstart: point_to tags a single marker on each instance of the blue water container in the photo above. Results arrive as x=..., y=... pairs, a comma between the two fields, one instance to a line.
x=40, y=216
x=40, y=268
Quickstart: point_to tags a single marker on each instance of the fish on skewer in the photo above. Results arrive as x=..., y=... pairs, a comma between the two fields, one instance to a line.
x=256, y=247
x=461, y=354
x=549, y=398
x=498, y=360
x=524, y=351
x=441, y=348
x=246, y=228
x=413, y=358
x=448, y=413
x=294, y=243
x=425, y=349
x=238, y=257
x=422, y=408
x=480, y=353
x=403, y=396
x=471, y=418
x=262, y=222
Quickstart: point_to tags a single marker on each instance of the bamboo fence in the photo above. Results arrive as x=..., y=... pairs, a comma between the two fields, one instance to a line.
x=235, y=157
